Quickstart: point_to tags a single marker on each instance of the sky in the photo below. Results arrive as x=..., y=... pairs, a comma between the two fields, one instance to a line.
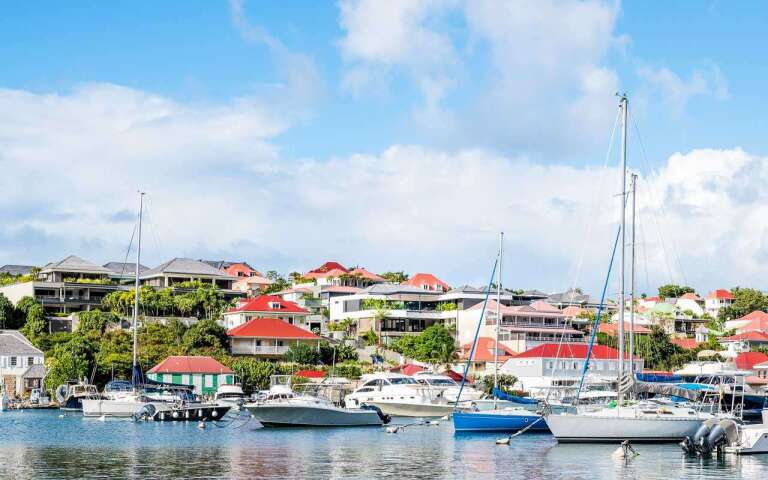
x=399, y=135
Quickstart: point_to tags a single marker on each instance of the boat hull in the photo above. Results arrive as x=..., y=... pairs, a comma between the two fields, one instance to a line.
x=306, y=416
x=164, y=412
x=498, y=421
x=399, y=409
x=574, y=428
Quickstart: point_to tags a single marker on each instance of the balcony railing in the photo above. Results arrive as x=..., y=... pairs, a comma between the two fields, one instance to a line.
x=259, y=350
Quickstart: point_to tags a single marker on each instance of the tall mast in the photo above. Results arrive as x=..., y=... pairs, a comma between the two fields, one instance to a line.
x=136, y=284
x=498, y=314
x=623, y=105
x=632, y=281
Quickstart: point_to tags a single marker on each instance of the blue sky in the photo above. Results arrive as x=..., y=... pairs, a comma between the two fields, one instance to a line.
x=321, y=91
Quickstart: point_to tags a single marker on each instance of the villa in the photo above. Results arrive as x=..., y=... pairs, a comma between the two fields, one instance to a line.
x=268, y=337
x=22, y=365
x=716, y=300
x=266, y=306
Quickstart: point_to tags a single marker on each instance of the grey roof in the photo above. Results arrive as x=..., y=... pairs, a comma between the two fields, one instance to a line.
x=535, y=293
x=390, y=289
x=12, y=342
x=222, y=264
x=572, y=296
x=16, y=269
x=35, y=371
x=126, y=269
x=184, y=266
x=73, y=263
x=466, y=289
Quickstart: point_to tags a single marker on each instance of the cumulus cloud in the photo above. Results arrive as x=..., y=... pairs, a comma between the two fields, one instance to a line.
x=218, y=187
x=678, y=91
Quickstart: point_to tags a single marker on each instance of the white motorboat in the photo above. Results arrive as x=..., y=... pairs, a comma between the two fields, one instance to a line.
x=447, y=388
x=646, y=421
x=230, y=394
x=728, y=436
x=398, y=395
x=282, y=407
x=71, y=394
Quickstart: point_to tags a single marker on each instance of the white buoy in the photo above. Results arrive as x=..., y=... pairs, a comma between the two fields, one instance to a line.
x=103, y=418
x=201, y=425
x=503, y=441
x=392, y=429
x=624, y=451
x=444, y=418
x=61, y=415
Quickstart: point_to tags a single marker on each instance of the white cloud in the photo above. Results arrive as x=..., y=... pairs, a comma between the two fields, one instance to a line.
x=219, y=188
x=677, y=91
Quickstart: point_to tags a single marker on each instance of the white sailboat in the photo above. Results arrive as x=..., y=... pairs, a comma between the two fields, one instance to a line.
x=642, y=421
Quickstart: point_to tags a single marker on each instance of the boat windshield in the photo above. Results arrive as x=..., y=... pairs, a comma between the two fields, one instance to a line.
x=402, y=381
x=442, y=382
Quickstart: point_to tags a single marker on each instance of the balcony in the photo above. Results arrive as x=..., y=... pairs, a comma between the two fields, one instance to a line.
x=275, y=350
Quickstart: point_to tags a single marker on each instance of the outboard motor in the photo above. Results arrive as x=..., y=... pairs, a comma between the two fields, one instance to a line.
x=697, y=444
x=61, y=394
x=383, y=416
x=147, y=412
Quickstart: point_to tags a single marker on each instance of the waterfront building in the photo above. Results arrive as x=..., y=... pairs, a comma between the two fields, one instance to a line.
x=202, y=372
x=69, y=285
x=561, y=364
x=268, y=337
x=716, y=300
x=612, y=329
x=234, y=269
x=522, y=326
x=22, y=365
x=484, y=356
x=266, y=306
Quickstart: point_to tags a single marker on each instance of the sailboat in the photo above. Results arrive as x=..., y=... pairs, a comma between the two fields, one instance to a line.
x=509, y=419
x=142, y=398
x=646, y=421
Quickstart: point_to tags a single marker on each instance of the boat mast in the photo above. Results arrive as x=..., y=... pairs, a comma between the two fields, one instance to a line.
x=633, y=182
x=623, y=105
x=498, y=314
x=136, y=286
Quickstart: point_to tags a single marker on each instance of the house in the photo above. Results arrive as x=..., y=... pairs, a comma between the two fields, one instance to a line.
x=649, y=302
x=121, y=272
x=522, y=326
x=575, y=297
x=181, y=270
x=428, y=282
x=334, y=273
x=612, y=329
x=233, y=269
x=673, y=320
x=756, y=321
x=69, y=285
x=268, y=337
x=561, y=364
x=484, y=356
x=22, y=365
x=716, y=300
x=745, y=341
x=692, y=303
x=16, y=270
x=269, y=306
x=253, y=285
x=203, y=373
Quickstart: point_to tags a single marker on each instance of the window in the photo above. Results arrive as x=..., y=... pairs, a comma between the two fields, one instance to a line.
x=30, y=361
x=13, y=361
x=550, y=365
x=280, y=343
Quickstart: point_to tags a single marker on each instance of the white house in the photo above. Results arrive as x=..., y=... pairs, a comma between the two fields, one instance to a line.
x=266, y=306
x=690, y=302
x=22, y=365
x=716, y=300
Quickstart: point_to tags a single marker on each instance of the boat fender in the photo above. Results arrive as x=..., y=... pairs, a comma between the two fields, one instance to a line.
x=214, y=413
x=383, y=416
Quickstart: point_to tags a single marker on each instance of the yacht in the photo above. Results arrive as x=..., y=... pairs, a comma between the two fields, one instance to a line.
x=230, y=394
x=398, y=395
x=499, y=420
x=282, y=407
x=71, y=394
x=447, y=388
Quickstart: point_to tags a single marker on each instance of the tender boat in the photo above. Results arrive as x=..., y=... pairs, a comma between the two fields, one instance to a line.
x=71, y=394
x=230, y=394
x=397, y=395
x=499, y=420
x=282, y=407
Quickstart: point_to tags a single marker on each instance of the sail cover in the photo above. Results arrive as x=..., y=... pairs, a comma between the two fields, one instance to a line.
x=666, y=389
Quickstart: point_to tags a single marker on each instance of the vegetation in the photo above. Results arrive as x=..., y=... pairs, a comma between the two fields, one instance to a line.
x=278, y=282
x=674, y=291
x=203, y=300
x=506, y=383
x=7, y=313
x=94, y=281
x=395, y=277
x=747, y=300
x=446, y=307
x=8, y=279
x=370, y=338
x=657, y=349
x=434, y=345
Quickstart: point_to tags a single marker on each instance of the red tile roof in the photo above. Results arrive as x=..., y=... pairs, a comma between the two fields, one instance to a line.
x=310, y=373
x=263, y=303
x=757, y=320
x=190, y=364
x=484, y=350
x=686, y=343
x=721, y=293
x=334, y=272
x=747, y=360
x=571, y=350
x=421, y=279
x=271, y=328
x=613, y=329
x=752, y=336
x=691, y=296
x=651, y=299
x=328, y=266
x=574, y=311
x=361, y=272
x=243, y=268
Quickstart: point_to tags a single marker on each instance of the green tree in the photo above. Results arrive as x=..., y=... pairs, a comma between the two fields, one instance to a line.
x=36, y=325
x=302, y=354
x=7, y=317
x=69, y=361
x=96, y=321
x=506, y=383
x=747, y=301
x=114, y=356
x=342, y=353
x=434, y=345
x=206, y=337
x=395, y=277
x=674, y=291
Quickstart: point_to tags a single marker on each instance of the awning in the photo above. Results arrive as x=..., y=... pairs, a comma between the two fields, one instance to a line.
x=666, y=389
x=553, y=330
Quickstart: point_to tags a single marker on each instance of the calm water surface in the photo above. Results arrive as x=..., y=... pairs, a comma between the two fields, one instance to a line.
x=40, y=445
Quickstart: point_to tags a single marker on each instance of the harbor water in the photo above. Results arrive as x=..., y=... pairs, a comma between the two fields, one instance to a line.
x=41, y=445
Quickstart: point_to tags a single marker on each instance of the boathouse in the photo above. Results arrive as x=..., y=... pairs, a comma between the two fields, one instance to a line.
x=203, y=373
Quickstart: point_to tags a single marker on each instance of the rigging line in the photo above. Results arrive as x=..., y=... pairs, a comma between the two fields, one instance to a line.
x=675, y=250
x=477, y=332
x=587, y=232
x=153, y=229
x=128, y=252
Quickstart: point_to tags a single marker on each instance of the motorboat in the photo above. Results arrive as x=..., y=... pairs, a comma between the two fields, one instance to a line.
x=645, y=421
x=398, y=395
x=230, y=394
x=728, y=436
x=71, y=394
x=282, y=407
x=447, y=388
x=499, y=420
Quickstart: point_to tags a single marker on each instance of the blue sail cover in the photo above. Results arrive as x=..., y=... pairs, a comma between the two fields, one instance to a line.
x=138, y=379
x=654, y=377
x=514, y=398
